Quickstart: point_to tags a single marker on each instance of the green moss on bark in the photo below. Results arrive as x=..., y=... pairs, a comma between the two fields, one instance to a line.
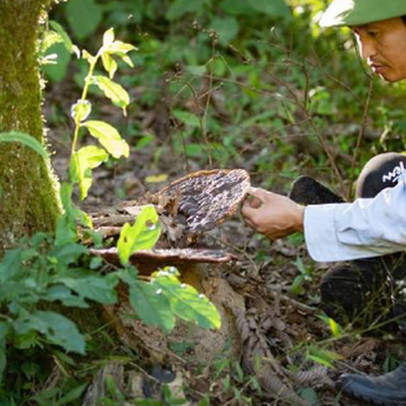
x=28, y=201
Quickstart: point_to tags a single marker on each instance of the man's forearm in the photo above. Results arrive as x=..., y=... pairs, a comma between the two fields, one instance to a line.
x=365, y=228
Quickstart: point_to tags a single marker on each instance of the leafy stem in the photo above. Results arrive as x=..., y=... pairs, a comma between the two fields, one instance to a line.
x=88, y=80
x=87, y=158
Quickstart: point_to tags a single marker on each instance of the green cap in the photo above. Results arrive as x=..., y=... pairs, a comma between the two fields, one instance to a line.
x=359, y=12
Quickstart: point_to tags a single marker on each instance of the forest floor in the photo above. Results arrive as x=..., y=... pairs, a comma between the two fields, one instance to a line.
x=282, y=270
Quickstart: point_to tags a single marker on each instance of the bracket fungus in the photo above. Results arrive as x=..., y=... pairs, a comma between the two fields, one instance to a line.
x=191, y=205
x=205, y=198
x=162, y=257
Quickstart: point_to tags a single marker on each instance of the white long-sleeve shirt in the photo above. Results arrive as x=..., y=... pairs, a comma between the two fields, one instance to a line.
x=362, y=229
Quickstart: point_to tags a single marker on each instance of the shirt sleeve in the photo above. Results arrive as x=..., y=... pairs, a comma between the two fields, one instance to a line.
x=362, y=229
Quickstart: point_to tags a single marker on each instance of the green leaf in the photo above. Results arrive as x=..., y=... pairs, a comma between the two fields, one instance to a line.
x=57, y=58
x=73, y=394
x=64, y=358
x=187, y=118
x=194, y=150
x=11, y=265
x=49, y=38
x=145, y=140
x=65, y=296
x=4, y=329
x=85, y=220
x=237, y=7
x=310, y=395
x=141, y=236
x=273, y=8
x=46, y=396
x=115, y=92
x=181, y=347
x=127, y=275
x=66, y=231
x=25, y=139
x=126, y=59
x=25, y=341
x=186, y=302
x=297, y=285
x=321, y=101
x=69, y=253
x=109, y=137
x=335, y=328
x=83, y=161
x=117, y=48
x=80, y=110
x=110, y=65
x=151, y=306
x=322, y=356
x=89, y=285
x=108, y=37
x=179, y=8
x=65, y=38
x=227, y=28
x=56, y=328
x=83, y=16
x=96, y=262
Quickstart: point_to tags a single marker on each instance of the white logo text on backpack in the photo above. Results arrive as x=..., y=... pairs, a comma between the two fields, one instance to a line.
x=394, y=175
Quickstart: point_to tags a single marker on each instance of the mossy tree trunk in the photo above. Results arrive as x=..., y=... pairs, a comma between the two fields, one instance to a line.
x=28, y=200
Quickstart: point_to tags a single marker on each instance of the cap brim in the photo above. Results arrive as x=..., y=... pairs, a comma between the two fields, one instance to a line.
x=359, y=12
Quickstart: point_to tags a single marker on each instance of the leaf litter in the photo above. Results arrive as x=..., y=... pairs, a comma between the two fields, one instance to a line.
x=264, y=278
x=266, y=326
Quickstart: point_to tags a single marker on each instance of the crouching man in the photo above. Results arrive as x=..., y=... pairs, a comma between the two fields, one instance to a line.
x=370, y=233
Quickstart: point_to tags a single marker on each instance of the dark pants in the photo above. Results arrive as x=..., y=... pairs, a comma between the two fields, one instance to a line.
x=367, y=293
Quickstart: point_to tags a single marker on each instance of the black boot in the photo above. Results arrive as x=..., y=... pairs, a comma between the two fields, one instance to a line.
x=357, y=293
x=388, y=389
x=306, y=190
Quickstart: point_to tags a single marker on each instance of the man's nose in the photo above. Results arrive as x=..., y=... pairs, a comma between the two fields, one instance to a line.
x=366, y=48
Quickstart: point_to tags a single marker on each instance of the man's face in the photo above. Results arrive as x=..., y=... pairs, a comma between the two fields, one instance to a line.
x=383, y=45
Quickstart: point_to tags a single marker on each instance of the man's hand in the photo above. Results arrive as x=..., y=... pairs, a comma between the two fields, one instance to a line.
x=271, y=214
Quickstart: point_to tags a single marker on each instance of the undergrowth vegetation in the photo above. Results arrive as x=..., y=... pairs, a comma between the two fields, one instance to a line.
x=227, y=80
x=213, y=84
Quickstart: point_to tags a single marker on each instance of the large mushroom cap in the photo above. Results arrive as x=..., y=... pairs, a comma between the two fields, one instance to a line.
x=207, y=198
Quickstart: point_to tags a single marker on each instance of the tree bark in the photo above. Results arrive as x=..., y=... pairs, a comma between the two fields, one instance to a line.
x=29, y=200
